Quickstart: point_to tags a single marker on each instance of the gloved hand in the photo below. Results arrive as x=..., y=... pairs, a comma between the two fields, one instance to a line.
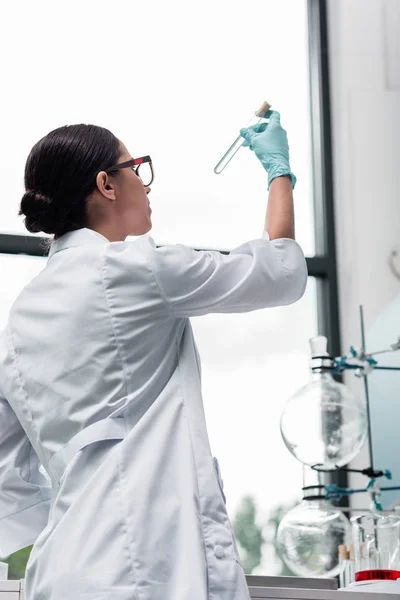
x=270, y=145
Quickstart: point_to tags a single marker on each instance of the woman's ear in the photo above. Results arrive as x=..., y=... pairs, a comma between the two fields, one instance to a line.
x=105, y=185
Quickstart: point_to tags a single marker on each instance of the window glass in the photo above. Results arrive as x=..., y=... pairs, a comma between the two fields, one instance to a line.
x=17, y=270
x=175, y=80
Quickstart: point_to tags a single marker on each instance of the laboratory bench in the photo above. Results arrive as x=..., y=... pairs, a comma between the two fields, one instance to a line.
x=274, y=588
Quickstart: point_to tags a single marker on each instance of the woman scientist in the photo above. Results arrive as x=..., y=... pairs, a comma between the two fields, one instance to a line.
x=100, y=381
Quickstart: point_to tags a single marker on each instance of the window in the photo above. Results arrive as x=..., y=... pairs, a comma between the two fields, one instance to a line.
x=181, y=94
x=16, y=272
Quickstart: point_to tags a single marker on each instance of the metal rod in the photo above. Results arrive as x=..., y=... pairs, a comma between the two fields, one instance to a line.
x=362, y=328
x=347, y=366
x=371, y=354
x=364, y=510
x=366, y=390
x=351, y=491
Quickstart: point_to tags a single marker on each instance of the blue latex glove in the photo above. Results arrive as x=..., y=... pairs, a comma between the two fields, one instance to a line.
x=270, y=145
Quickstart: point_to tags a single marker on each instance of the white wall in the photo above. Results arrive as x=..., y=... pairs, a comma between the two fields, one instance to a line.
x=365, y=102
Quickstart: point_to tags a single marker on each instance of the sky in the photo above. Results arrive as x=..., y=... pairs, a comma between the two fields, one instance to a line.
x=177, y=80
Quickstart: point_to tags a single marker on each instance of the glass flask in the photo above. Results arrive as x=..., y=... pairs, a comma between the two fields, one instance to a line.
x=309, y=535
x=323, y=423
x=376, y=540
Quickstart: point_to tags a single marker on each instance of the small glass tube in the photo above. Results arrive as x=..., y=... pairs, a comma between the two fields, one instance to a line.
x=346, y=562
x=344, y=557
x=352, y=571
x=258, y=116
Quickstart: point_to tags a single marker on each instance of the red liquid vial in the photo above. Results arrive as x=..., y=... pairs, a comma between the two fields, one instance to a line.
x=369, y=574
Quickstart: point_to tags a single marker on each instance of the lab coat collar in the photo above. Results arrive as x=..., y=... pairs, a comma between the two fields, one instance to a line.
x=78, y=237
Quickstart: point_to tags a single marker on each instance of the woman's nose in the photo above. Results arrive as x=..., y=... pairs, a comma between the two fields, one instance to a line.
x=148, y=189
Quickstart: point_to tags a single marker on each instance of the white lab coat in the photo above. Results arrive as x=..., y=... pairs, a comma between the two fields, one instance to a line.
x=100, y=386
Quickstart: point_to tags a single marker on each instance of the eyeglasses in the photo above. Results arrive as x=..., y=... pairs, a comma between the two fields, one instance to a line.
x=142, y=166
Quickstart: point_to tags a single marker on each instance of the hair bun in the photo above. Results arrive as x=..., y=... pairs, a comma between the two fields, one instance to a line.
x=33, y=199
x=40, y=212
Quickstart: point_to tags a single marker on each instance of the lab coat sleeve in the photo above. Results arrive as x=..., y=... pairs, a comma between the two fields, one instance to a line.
x=257, y=274
x=24, y=491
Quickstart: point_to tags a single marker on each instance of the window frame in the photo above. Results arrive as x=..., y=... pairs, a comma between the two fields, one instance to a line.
x=324, y=265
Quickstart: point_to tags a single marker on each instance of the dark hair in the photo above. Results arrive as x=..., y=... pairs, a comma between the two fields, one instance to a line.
x=60, y=173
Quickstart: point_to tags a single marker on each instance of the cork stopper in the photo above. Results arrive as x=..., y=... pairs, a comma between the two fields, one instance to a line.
x=344, y=554
x=351, y=552
x=264, y=108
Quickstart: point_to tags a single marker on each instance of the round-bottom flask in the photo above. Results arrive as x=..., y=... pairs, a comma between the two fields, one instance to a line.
x=323, y=423
x=309, y=536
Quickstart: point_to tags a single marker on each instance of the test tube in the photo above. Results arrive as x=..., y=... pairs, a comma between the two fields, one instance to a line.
x=344, y=556
x=258, y=116
x=351, y=563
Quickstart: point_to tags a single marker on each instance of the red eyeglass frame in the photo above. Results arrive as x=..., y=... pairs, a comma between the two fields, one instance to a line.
x=132, y=163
